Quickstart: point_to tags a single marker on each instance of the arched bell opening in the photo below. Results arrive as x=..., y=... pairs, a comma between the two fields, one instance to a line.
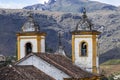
x=83, y=48
x=28, y=48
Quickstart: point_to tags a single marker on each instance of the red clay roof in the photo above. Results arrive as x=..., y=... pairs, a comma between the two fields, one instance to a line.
x=23, y=73
x=63, y=63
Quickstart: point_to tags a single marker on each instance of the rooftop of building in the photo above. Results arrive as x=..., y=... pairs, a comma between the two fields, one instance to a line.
x=22, y=72
x=63, y=63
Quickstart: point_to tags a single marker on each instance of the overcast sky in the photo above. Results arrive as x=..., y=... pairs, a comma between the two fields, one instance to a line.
x=113, y=2
x=16, y=4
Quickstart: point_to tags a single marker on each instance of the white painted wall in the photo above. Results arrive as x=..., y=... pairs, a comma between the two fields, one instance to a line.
x=23, y=41
x=33, y=41
x=42, y=43
x=84, y=62
x=97, y=62
x=45, y=67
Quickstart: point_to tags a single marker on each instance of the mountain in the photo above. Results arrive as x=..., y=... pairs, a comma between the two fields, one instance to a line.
x=71, y=6
x=106, y=21
x=119, y=8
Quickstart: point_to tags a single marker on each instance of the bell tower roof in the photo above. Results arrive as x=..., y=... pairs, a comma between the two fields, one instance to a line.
x=84, y=23
x=30, y=25
x=85, y=26
x=31, y=28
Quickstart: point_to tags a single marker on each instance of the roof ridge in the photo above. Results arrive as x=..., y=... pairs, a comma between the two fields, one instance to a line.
x=55, y=59
x=23, y=58
x=67, y=71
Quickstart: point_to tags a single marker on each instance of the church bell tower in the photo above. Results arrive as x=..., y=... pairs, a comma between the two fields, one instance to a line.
x=84, y=45
x=30, y=39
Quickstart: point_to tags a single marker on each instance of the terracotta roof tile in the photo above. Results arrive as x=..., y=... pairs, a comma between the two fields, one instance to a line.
x=23, y=73
x=65, y=64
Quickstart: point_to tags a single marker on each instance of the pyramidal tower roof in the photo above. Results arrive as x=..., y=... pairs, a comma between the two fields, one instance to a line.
x=30, y=25
x=85, y=26
x=84, y=23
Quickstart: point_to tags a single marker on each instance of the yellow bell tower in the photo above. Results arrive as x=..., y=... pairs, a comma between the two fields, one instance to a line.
x=30, y=39
x=84, y=45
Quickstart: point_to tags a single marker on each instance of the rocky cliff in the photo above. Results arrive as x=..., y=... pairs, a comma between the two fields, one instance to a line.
x=74, y=6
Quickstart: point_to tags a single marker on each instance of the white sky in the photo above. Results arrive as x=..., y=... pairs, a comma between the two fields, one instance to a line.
x=19, y=4
x=113, y=2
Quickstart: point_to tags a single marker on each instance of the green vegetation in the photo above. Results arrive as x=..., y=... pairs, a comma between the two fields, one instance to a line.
x=112, y=62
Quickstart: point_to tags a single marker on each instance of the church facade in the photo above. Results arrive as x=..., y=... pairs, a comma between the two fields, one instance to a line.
x=84, y=63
